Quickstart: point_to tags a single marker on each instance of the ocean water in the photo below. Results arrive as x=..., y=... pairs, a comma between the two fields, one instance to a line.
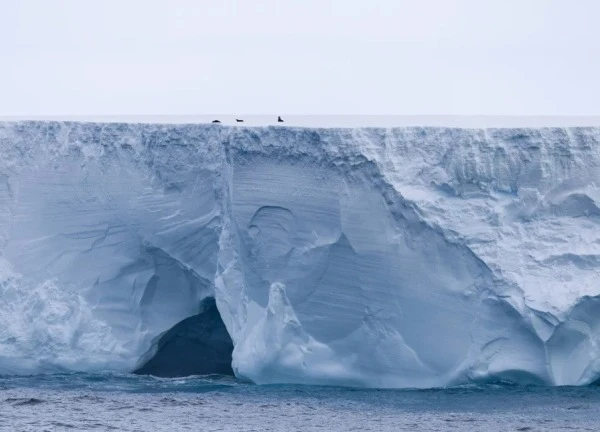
x=106, y=402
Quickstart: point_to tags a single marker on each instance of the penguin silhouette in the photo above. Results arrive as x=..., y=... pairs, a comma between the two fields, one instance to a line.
x=279, y=119
x=216, y=121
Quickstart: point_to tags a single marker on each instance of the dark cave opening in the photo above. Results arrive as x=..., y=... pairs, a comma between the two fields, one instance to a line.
x=198, y=345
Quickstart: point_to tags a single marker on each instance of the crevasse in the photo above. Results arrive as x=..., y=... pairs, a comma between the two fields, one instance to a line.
x=402, y=257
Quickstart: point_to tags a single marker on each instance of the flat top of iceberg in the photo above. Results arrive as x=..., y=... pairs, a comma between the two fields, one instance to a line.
x=329, y=121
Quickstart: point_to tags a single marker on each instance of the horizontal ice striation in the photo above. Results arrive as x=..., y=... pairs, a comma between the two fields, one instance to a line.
x=403, y=257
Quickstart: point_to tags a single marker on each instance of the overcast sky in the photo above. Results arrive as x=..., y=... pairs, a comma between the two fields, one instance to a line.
x=520, y=57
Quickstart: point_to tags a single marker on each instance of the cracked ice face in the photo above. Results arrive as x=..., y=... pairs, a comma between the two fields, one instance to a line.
x=352, y=267
x=379, y=257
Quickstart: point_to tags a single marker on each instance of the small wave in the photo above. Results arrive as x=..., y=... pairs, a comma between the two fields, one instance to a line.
x=129, y=383
x=63, y=425
x=23, y=401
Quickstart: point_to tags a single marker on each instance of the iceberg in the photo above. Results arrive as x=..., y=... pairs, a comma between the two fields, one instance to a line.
x=370, y=257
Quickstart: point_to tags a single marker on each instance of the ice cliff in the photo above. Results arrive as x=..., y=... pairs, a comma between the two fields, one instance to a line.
x=398, y=257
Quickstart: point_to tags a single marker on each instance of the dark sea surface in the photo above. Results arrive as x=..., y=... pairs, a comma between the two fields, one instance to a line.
x=140, y=403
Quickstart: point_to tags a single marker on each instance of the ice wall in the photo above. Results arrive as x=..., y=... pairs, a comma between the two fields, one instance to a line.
x=402, y=257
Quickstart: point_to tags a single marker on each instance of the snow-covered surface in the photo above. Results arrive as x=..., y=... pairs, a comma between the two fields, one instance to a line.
x=388, y=257
x=333, y=121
